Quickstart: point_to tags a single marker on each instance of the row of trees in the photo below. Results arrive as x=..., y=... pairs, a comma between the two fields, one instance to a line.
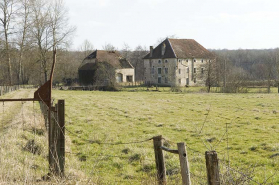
x=234, y=70
x=30, y=31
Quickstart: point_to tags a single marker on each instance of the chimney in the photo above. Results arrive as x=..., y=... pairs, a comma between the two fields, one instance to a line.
x=151, y=51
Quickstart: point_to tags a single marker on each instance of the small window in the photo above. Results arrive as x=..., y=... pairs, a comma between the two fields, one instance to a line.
x=195, y=70
x=159, y=71
x=166, y=80
x=179, y=71
x=195, y=80
x=187, y=69
x=159, y=80
x=187, y=60
x=166, y=70
x=179, y=60
x=202, y=70
x=129, y=78
x=179, y=81
x=159, y=61
x=166, y=61
x=202, y=60
x=152, y=70
x=194, y=60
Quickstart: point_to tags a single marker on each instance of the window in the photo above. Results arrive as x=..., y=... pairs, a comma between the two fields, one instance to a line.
x=202, y=60
x=179, y=61
x=159, y=61
x=166, y=61
x=202, y=70
x=152, y=70
x=129, y=78
x=159, y=80
x=179, y=81
x=187, y=69
x=166, y=80
x=179, y=71
x=195, y=80
x=194, y=60
x=195, y=70
x=159, y=70
x=187, y=60
x=166, y=70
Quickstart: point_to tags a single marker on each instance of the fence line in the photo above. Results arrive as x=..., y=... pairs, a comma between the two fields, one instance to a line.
x=7, y=89
x=159, y=158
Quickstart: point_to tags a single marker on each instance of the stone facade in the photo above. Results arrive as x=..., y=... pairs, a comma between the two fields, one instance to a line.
x=125, y=75
x=105, y=64
x=166, y=68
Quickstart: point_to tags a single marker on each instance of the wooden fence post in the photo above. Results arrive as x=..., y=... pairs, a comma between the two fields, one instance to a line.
x=51, y=129
x=212, y=168
x=184, y=165
x=160, y=161
x=60, y=147
x=57, y=134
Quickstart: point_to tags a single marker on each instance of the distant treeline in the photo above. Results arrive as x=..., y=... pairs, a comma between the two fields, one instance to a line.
x=259, y=65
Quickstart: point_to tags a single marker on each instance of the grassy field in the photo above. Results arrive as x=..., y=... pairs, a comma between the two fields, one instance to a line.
x=242, y=128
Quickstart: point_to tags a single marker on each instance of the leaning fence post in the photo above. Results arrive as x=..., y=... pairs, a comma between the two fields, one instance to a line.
x=159, y=158
x=212, y=168
x=184, y=165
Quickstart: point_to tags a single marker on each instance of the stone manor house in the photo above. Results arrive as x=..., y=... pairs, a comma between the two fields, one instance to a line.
x=181, y=62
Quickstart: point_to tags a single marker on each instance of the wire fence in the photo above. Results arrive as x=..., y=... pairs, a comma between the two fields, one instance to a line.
x=22, y=143
x=24, y=135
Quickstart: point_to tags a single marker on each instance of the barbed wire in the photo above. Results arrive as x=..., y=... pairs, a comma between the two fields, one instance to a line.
x=103, y=143
x=239, y=172
x=111, y=156
x=197, y=178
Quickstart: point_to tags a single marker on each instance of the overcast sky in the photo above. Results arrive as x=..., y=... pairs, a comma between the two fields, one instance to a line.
x=215, y=24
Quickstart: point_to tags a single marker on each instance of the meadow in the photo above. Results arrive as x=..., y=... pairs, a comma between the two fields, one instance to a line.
x=242, y=128
x=107, y=136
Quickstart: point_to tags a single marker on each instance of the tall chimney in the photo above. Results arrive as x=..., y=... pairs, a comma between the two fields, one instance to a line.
x=151, y=51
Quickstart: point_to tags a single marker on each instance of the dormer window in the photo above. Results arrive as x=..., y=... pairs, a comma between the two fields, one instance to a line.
x=159, y=61
x=166, y=61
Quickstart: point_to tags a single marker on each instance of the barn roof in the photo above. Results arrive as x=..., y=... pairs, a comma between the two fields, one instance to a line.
x=112, y=57
x=180, y=48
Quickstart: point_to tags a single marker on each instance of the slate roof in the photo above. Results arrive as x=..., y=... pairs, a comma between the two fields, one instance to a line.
x=112, y=57
x=180, y=48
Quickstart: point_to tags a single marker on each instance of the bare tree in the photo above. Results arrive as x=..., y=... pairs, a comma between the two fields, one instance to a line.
x=126, y=51
x=86, y=48
x=60, y=28
x=109, y=47
x=7, y=11
x=41, y=32
x=137, y=61
x=23, y=35
x=50, y=29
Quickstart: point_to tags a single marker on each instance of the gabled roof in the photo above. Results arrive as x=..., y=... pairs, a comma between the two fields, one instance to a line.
x=112, y=57
x=180, y=48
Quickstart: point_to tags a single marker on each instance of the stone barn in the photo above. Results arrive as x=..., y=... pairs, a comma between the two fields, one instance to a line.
x=103, y=68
